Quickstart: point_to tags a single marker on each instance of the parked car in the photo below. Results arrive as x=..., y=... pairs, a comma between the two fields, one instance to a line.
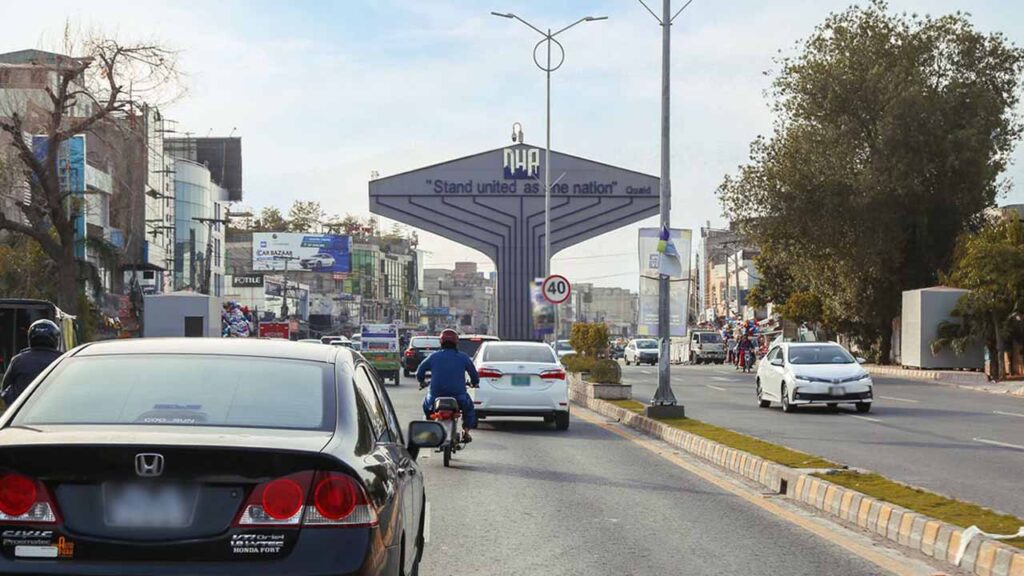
x=704, y=347
x=317, y=261
x=239, y=455
x=419, y=348
x=641, y=351
x=562, y=348
x=470, y=343
x=804, y=373
x=521, y=379
x=617, y=351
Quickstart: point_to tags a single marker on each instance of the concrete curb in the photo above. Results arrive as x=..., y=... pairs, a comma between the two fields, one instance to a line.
x=933, y=538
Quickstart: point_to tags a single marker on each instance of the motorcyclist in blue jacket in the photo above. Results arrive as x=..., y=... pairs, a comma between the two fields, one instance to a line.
x=448, y=368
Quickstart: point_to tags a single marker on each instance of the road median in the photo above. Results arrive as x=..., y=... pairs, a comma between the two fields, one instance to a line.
x=954, y=544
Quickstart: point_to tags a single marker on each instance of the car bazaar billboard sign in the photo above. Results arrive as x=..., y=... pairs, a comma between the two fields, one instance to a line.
x=300, y=252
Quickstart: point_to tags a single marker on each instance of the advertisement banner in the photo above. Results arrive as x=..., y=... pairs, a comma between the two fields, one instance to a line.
x=311, y=252
x=653, y=251
x=543, y=311
x=275, y=330
x=379, y=337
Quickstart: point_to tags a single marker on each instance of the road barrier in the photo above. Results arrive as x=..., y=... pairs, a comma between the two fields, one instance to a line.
x=980, y=554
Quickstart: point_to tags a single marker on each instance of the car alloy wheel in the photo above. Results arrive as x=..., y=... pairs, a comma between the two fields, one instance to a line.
x=760, y=396
x=786, y=406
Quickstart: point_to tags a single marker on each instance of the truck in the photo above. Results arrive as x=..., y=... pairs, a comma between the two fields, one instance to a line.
x=379, y=345
x=17, y=314
x=701, y=347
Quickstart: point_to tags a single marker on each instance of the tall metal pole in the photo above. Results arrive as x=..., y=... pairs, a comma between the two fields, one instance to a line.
x=663, y=395
x=547, y=177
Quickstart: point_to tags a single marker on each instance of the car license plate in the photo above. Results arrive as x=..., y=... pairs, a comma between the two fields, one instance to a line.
x=520, y=380
x=149, y=505
x=837, y=391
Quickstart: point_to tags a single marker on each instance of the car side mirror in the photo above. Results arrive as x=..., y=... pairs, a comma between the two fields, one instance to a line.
x=424, y=434
x=861, y=360
x=778, y=362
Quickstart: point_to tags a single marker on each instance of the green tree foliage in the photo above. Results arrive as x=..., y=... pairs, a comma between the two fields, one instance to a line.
x=26, y=271
x=589, y=340
x=305, y=216
x=270, y=220
x=891, y=133
x=802, y=307
x=989, y=263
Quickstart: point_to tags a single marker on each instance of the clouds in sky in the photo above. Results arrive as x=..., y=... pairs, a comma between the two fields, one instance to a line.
x=323, y=93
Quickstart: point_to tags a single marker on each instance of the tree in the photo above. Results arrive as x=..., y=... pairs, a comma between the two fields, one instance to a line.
x=305, y=216
x=103, y=84
x=890, y=137
x=25, y=270
x=989, y=263
x=270, y=220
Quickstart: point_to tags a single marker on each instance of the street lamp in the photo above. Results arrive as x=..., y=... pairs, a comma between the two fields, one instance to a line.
x=548, y=38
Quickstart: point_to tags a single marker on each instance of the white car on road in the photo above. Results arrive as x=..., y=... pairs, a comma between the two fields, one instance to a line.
x=521, y=379
x=641, y=351
x=317, y=261
x=802, y=373
x=563, y=348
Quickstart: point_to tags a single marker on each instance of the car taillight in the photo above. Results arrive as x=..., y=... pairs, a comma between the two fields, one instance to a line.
x=553, y=375
x=23, y=499
x=308, y=499
x=339, y=500
x=277, y=503
x=489, y=373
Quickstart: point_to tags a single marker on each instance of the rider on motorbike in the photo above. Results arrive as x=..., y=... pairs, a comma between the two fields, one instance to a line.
x=742, y=349
x=448, y=368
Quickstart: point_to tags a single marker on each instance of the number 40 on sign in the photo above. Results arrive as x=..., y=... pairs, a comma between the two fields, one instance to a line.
x=556, y=289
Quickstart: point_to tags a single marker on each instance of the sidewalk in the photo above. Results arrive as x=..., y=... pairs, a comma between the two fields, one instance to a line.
x=977, y=381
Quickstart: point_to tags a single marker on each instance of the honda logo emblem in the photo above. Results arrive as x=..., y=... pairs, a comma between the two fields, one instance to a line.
x=149, y=465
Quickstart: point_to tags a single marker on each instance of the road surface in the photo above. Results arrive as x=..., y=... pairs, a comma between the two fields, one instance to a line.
x=525, y=499
x=962, y=443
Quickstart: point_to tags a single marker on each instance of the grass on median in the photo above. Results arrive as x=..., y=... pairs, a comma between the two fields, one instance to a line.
x=963, y=514
x=766, y=450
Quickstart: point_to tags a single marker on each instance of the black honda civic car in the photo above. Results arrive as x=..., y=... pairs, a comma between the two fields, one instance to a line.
x=206, y=456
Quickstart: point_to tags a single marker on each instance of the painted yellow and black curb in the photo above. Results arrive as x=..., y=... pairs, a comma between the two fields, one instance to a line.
x=934, y=538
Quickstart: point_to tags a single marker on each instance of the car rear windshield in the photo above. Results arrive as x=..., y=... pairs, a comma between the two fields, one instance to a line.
x=819, y=355
x=470, y=345
x=518, y=353
x=646, y=344
x=198, y=390
x=425, y=342
x=563, y=346
x=710, y=338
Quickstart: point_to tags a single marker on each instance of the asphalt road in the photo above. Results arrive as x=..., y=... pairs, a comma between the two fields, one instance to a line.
x=962, y=443
x=525, y=499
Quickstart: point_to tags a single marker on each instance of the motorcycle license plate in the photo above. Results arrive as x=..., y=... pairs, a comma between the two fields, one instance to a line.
x=520, y=380
x=837, y=391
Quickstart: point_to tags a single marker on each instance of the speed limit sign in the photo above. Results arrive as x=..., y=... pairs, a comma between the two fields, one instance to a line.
x=556, y=289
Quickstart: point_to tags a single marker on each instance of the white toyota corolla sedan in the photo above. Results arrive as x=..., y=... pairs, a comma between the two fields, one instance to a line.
x=801, y=373
x=521, y=379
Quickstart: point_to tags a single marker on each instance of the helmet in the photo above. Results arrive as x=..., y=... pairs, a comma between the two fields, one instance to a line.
x=44, y=334
x=449, y=337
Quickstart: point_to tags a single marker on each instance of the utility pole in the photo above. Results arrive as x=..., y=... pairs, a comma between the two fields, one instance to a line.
x=284, y=289
x=207, y=269
x=664, y=401
x=739, y=309
x=727, y=295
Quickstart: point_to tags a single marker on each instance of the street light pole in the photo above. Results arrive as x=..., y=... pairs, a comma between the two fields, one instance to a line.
x=549, y=38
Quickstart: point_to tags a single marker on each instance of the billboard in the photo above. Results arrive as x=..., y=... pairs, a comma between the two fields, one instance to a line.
x=296, y=251
x=670, y=257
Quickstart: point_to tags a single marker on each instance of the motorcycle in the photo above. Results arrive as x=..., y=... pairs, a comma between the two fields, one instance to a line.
x=446, y=412
x=748, y=360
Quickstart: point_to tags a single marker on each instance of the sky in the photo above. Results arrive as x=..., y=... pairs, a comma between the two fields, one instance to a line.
x=324, y=93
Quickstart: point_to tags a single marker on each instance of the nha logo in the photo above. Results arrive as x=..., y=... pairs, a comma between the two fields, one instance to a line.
x=522, y=163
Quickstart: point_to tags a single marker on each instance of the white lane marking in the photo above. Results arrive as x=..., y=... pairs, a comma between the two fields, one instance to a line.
x=722, y=379
x=996, y=443
x=868, y=418
x=715, y=387
x=901, y=399
x=1001, y=413
x=426, y=523
x=648, y=372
